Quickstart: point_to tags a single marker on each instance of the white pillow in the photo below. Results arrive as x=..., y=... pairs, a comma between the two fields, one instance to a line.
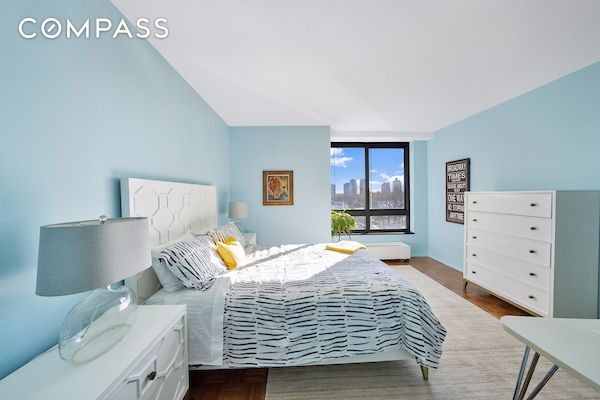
x=195, y=262
x=221, y=233
x=167, y=279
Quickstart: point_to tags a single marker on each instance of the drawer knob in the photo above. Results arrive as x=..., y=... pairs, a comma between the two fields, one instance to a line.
x=474, y=255
x=474, y=201
x=532, y=274
x=473, y=272
x=532, y=204
x=474, y=219
x=532, y=297
x=474, y=237
x=151, y=376
x=533, y=228
x=531, y=251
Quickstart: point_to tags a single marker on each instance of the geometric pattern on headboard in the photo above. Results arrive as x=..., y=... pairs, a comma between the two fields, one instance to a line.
x=173, y=209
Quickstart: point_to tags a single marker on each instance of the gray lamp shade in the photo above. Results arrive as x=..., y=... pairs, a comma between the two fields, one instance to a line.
x=238, y=210
x=79, y=256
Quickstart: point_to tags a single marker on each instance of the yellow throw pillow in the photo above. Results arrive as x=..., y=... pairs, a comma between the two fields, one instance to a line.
x=232, y=252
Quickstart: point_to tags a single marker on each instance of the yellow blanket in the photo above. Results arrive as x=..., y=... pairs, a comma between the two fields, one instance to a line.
x=345, y=246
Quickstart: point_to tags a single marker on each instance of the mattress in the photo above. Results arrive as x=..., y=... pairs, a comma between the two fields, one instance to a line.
x=301, y=304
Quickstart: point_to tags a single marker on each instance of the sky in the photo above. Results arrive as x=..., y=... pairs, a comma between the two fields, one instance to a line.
x=349, y=162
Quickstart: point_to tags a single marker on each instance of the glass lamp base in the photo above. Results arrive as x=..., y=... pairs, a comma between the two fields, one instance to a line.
x=96, y=324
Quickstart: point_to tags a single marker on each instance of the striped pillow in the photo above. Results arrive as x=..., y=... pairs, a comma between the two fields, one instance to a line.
x=195, y=262
x=221, y=233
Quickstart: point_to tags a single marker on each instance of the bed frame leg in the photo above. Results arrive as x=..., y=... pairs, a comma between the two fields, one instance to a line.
x=425, y=372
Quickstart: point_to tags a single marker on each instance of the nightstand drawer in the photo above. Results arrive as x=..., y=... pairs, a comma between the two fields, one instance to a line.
x=162, y=374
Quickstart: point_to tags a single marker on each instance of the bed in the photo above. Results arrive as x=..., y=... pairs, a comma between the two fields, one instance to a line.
x=289, y=305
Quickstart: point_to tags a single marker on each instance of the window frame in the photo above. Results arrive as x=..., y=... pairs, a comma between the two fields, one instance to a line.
x=367, y=211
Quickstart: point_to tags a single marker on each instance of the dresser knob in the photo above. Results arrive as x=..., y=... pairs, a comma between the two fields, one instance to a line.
x=474, y=255
x=532, y=274
x=151, y=376
x=531, y=251
x=473, y=272
x=474, y=219
x=474, y=237
x=532, y=204
x=532, y=297
x=533, y=228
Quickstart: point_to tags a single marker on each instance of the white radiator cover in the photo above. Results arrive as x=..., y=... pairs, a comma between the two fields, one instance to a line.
x=389, y=250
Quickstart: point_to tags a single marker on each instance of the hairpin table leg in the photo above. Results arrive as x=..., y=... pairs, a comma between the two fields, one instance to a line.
x=534, y=362
x=543, y=382
x=521, y=373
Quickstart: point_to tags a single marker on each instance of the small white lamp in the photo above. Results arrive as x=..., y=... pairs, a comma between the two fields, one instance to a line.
x=238, y=210
x=79, y=256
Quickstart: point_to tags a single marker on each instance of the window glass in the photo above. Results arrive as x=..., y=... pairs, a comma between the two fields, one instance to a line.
x=394, y=222
x=386, y=178
x=347, y=178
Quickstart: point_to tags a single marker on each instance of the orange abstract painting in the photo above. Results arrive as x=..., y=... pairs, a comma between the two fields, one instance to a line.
x=278, y=188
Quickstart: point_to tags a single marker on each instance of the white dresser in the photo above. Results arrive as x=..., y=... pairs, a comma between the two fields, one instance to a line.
x=537, y=250
x=150, y=363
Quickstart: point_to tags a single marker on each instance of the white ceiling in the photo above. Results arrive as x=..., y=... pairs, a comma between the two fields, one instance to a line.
x=401, y=67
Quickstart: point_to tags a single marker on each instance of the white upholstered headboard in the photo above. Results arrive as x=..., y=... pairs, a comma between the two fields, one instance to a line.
x=173, y=209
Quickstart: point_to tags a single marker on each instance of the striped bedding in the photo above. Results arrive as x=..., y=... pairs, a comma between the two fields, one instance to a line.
x=302, y=304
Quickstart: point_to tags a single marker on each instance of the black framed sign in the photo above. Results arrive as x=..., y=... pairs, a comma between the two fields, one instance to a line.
x=458, y=181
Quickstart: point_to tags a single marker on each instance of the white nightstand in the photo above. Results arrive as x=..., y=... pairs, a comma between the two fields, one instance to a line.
x=250, y=238
x=151, y=362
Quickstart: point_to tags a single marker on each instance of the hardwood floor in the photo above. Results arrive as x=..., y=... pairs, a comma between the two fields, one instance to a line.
x=251, y=384
x=244, y=384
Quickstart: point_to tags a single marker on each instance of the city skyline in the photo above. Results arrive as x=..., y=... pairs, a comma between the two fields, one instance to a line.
x=351, y=187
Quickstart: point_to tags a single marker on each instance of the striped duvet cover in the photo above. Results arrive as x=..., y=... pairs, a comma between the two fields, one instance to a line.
x=303, y=304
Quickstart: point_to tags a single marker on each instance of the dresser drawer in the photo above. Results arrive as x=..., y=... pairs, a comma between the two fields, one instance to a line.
x=527, y=204
x=527, y=296
x=161, y=374
x=528, y=227
x=531, y=251
x=522, y=271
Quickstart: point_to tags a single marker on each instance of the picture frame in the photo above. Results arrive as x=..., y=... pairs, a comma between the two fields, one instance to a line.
x=278, y=188
x=458, y=181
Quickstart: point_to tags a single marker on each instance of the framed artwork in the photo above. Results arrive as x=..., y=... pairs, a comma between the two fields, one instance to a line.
x=278, y=188
x=458, y=181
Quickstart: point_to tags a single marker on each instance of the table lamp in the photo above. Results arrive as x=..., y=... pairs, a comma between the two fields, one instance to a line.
x=238, y=210
x=76, y=257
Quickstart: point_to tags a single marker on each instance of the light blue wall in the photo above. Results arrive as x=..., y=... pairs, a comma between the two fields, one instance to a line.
x=548, y=138
x=305, y=150
x=418, y=205
x=75, y=116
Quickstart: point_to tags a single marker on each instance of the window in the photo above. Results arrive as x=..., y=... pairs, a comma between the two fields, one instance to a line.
x=370, y=181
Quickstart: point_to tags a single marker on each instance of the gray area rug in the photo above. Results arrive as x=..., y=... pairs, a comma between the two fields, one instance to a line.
x=480, y=361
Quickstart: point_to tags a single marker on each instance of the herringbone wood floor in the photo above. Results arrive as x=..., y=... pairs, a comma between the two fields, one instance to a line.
x=251, y=384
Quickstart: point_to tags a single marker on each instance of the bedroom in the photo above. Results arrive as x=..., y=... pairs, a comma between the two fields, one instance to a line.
x=238, y=88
